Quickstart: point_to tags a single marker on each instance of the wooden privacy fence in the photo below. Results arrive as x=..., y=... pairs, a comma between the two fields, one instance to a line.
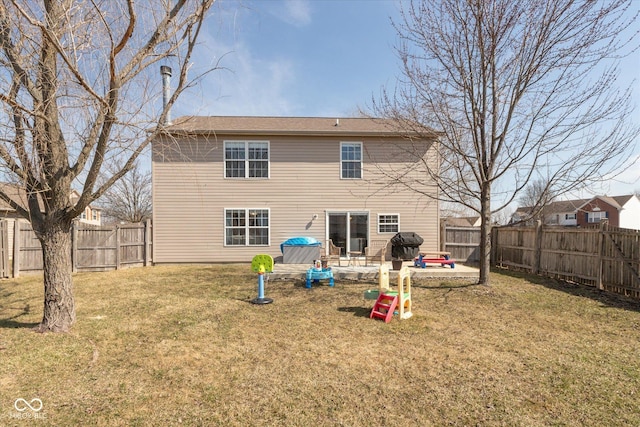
x=462, y=242
x=607, y=258
x=93, y=248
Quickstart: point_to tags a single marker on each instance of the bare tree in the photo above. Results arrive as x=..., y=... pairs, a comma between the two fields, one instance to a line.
x=77, y=88
x=129, y=199
x=536, y=196
x=518, y=90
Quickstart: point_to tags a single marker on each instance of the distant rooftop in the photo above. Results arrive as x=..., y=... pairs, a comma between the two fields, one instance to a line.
x=564, y=206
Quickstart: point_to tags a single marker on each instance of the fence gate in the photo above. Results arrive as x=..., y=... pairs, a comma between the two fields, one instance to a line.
x=620, y=269
x=95, y=247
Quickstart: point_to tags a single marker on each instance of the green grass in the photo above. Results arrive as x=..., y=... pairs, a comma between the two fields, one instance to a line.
x=181, y=345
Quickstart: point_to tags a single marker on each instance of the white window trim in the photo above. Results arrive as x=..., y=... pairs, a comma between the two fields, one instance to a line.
x=601, y=215
x=246, y=160
x=388, y=214
x=342, y=143
x=246, y=227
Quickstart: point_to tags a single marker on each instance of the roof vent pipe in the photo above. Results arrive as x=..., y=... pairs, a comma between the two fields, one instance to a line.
x=165, y=71
x=337, y=122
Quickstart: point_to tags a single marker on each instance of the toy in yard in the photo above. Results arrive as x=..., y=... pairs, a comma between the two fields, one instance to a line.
x=441, y=258
x=317, y=273
x=261, y=264
x=383, y=283
x=389, y=301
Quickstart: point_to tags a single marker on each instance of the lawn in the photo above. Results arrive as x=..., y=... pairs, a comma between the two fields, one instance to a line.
x=181, y=345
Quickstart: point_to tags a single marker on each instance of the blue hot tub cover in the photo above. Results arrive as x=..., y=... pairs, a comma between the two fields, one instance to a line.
x=300, y=241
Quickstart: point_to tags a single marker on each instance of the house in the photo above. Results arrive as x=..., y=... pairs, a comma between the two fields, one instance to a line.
x=228, y=188
x=17, y=193
x=620, y=211
x=562, y=213
x=91, y=214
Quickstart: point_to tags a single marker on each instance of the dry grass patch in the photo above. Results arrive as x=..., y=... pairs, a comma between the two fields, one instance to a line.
x=182, y=345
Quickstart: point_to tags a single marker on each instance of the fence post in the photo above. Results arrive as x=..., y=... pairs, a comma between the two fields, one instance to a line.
x=117, y=247
x=537, y=251
x=147, y=242
x=604, y=226
x=16, y=248
x=74, y=247
x=4, y=230
x=443, y=235
x=493, y=258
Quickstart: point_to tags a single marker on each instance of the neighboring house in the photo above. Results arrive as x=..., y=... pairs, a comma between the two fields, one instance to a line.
x=228, y=188
x=620, y=211
x=91, y=215
x=18, y=194
x=562, y=213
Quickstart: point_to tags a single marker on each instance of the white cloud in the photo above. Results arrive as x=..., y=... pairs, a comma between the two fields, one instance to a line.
x=244, y=85
x=297, y=12
x=248, y=83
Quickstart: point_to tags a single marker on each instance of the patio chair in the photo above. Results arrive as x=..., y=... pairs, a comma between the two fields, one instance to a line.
x=333, y=252
x=376, y=251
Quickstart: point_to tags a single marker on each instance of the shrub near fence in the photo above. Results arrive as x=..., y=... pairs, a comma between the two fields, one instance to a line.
x=94, y=248
x=607, y=258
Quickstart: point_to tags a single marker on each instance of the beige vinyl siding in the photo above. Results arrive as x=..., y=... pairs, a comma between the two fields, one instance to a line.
x=190, y=195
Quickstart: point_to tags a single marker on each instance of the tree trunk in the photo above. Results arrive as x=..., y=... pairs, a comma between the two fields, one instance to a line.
x=485, y=236
x=59, y=304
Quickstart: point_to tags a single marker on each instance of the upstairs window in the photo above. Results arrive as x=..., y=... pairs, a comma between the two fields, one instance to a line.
x=351, y=160
x=570, y=216
x=246, y=159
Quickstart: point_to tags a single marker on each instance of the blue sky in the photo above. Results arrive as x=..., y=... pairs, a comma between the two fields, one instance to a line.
x=316, y=58
x=295, y=58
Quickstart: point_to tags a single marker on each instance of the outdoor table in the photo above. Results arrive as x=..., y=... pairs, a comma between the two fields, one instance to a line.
x=354, y=258
x=434, y=257
x=435, y=254
x=314, y=275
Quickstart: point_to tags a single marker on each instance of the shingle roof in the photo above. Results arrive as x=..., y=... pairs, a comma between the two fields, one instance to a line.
x=616, y=201
x=15, y=193
x=622, y=200
x=564, y=206
x=250, y=125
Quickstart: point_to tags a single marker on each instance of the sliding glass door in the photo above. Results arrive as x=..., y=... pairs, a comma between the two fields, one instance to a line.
x=349, y=230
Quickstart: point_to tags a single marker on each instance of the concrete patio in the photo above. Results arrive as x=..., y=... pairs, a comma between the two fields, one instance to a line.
x=370, y=272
